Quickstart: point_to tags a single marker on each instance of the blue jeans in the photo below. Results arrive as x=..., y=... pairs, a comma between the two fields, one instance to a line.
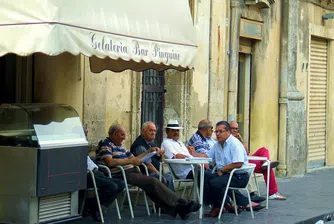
x=168, y=180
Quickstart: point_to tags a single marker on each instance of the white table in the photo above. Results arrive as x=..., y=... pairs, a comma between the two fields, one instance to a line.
x=197, y=162
x=260, y=158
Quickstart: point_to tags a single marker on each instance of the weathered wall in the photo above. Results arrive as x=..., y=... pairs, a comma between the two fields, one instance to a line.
x=265, y=79
x=312, y=24
x=200, y=77
x=218, y=71
x=58, y=79
x=108, y=100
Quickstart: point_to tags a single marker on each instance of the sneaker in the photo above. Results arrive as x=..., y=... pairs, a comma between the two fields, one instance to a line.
x=273, y=164
x=276, y=196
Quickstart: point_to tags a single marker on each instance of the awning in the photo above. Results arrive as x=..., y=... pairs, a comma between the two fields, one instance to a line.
x=115, y=34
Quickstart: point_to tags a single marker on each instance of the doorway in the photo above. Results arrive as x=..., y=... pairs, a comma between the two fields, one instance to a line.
x=243, y=96
x=152, y=105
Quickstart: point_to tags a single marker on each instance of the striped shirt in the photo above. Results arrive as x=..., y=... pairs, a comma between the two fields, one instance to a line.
x=107, y=148
x=199, y=143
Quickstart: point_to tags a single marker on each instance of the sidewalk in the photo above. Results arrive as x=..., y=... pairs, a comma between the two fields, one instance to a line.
x=309, y=196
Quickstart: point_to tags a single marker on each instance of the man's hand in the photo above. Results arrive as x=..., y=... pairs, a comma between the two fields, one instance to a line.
x=160, y=152
x=135, y=161
x=238, y=136
x=153, y=149
x=191, y=149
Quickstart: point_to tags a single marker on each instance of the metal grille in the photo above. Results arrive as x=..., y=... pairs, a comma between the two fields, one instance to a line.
x=153, y=100
x=317, y=103
x=54, y=207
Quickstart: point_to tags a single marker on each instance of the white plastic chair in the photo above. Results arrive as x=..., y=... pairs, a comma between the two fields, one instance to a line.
x=250, y=170
x=139, y=190
x=96, y=196
x=126, y=189
x=179, y=180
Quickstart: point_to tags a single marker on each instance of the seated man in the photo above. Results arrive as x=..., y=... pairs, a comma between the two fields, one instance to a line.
x=112, y=153
x=228, y=153
x=144, y=142
x=201, y=141
x=174, y=149
x=261, y=167
x=109, y=189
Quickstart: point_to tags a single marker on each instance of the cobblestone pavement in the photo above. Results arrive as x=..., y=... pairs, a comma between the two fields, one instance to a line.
x=308, y=196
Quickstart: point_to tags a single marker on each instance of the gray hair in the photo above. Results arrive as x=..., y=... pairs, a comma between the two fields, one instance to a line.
x=114, y=128
x=202, y=125
x=144, y=126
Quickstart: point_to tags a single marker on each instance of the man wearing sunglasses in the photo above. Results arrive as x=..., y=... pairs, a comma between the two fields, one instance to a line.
x=228, y=153
x=260, y=166
x=202, y=139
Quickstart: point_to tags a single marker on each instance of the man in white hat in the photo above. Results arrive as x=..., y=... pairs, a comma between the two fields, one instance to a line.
x=175, y=149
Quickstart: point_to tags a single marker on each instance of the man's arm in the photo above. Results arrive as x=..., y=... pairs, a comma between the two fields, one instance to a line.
x=238, y=136
x=192, y=152
x=228, y=168
x=151, y=168
x=121, y=162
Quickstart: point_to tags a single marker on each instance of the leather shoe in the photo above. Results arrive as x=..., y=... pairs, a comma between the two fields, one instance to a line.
x=214, y=212
x=230, y=208
x=184, y=208
x=256, y=208
x=257, y=199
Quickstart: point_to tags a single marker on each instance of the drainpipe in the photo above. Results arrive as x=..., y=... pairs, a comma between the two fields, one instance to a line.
x=233, y=60
x=283, y=90
x=210, y=86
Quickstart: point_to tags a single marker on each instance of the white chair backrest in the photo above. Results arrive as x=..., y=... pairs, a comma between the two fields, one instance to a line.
x=248, y=168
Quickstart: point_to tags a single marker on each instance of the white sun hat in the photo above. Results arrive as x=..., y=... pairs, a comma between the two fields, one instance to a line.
x=173, y=124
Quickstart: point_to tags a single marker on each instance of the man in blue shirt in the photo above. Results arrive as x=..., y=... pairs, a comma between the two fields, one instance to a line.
x=228, y=153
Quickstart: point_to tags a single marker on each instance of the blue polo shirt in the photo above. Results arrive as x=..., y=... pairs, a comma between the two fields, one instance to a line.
x=232, y=152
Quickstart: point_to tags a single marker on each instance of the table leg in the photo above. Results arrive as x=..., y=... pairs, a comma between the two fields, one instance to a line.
x=268, y=178
x=195, y=183
x=201, y=191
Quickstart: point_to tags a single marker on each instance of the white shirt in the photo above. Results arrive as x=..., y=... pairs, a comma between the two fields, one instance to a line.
x=172, y=148
x=90, y=164
x=233, y=151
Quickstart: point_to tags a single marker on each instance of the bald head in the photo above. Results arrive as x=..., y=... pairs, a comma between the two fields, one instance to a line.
x=205, y=128
x=203, y=124
x=114, y=128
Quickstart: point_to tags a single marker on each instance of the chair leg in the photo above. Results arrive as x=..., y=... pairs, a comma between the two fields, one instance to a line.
x=137, y=197
x=129, y=200
x=117, y=208
x=250, y=203
x=123, y=200
x=257, y=185
x=235, y=203
x=83, y=203
x=223, y=202
x=184, y=190
x=154, y=208
x=97, y=197
x=146, y=203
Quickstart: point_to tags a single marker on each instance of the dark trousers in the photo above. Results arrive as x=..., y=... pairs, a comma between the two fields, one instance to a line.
x=168, y=180
x=215, y=186
x=161, y=195
x=109, y=188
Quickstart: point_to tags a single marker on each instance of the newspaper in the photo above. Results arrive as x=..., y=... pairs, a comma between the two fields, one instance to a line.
x=148, y=156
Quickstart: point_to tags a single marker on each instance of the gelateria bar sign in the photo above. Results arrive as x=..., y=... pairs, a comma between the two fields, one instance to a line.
x=133, y=47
